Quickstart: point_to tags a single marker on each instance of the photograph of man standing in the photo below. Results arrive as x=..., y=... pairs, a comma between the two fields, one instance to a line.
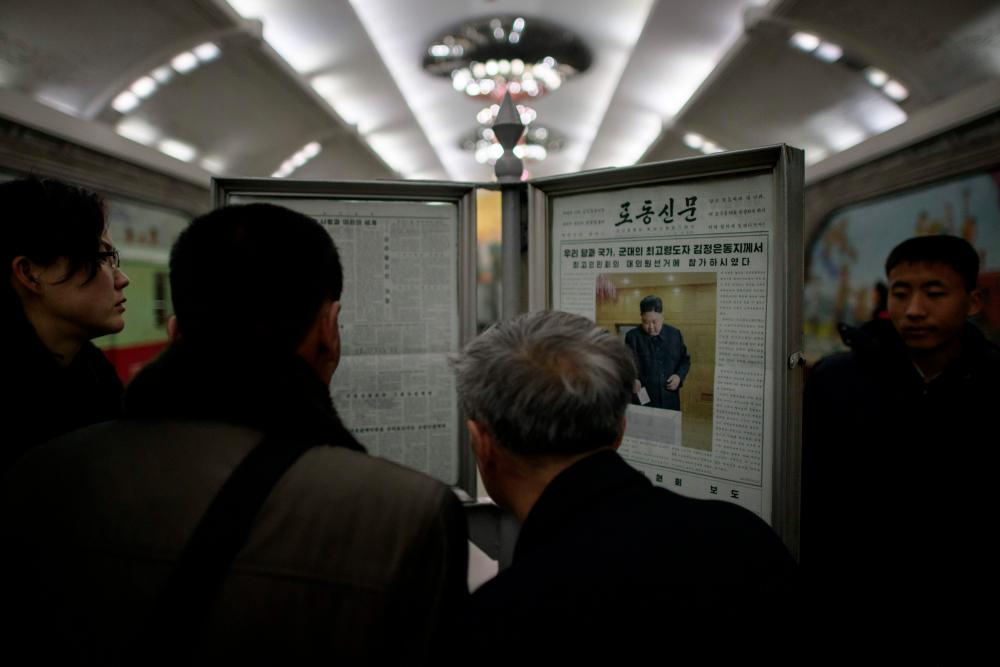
x=661, y=358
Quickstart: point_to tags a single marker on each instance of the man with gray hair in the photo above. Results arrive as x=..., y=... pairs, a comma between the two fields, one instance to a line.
x=605, y=562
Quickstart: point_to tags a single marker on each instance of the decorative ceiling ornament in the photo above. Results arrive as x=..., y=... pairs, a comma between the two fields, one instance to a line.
x=488, y=57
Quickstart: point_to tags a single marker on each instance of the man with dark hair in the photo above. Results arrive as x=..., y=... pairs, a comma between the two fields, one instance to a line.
x=231, y=516
x=660, y=356
x=606, y=564
x=893, y=512
x=62, y=288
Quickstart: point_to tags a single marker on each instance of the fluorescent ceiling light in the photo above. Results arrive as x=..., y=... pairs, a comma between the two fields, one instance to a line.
x=311, y=149
x=56, y=104
x=137, y=130
x=143, y=87
x=805, y=41
x=895, y=90
x=163, y=74
x=829, y=52
x=876, y=77
x=815, y=154
x=184, y=62
x=177, y=149
x=844, y=137
x=206, y=52
x=694, y=140
x=125, y=102
x=212, y=164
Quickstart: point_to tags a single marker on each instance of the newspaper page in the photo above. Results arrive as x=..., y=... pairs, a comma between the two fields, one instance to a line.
x=701, y=420
x=399, y=321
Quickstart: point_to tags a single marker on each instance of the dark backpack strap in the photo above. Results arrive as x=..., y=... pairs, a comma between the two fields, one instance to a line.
x=184, y=605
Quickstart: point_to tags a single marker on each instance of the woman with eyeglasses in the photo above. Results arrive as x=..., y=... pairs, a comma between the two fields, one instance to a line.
x=63, y=288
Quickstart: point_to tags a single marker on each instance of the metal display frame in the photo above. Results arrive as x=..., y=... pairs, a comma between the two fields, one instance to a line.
x=785, y=165
x=463, y=195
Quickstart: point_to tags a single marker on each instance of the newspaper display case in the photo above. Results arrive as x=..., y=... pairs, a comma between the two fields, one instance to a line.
x=718, y=238
x=408, y=252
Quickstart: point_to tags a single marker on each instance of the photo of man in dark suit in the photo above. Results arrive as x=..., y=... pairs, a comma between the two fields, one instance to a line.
x=661, y=358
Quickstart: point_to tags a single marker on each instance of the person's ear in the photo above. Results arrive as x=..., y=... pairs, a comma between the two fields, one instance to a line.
x=173, y=329
x=329, y=323
x=25, y=273
x=975, y=302
x=621, y=435
x=483, y=444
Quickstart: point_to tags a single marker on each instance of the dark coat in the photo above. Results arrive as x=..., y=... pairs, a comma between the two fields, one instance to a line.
x=656, y=359
x=351, y=560
x=606, y=564
x=898, y=477
x=44, y=399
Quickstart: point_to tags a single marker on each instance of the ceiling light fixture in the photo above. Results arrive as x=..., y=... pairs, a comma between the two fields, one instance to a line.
x=177, y=149
x=298, y=159
x=805, y=41
x=698, y=142
x=143, y=87
x=490, y=56
x=832, y=53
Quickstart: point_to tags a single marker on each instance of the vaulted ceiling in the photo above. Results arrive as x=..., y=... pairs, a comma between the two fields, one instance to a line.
x=340, y=84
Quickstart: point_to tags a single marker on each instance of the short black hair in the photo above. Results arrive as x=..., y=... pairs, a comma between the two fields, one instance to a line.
x=45, y=219
x=651, y=303
x=252, y=275
x=951, y=250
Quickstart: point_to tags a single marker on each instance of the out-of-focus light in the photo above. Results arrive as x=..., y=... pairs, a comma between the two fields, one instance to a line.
x=163, y=74
x=177, y=149
x=57, y=104
x=125, y=101
x=518, y=24
x=829, y=52
x=844, y=137
x=138, y=131
x=805, y=41
x=298, y=159
x=311, y=149
x=814, y=155
x=876, y=77
x=895, y=90
x=184, y=62
x=143, y=87
x=440, y=50
x=212, y=164
x=694, y=140
x=206, y=52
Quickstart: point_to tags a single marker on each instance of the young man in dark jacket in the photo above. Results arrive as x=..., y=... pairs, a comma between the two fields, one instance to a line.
x=898, y=456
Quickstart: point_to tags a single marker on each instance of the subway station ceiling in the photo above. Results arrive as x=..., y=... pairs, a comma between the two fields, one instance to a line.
x=363, y=89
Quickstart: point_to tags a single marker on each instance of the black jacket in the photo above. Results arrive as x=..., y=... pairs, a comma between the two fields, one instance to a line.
x=898, y=477
x=607, y=565
x=43, y=399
